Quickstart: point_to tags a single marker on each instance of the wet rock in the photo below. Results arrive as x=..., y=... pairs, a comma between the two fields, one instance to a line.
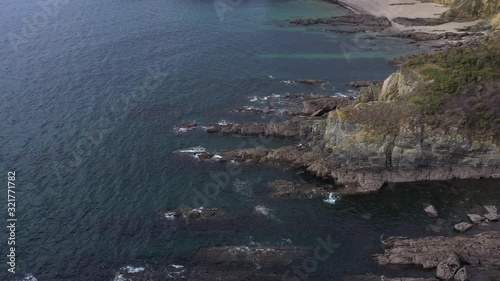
x=246, y=263
x=492, y=217
x=419, y=36
x=461, y=275
x=370, y=277
x=446, y=269
x=286, y=129
x=463, y=227
x=199, y=213
x=419, y=21
x=356, y=20
x=184, y=127
x=431, y=211
x=290, y=189
x=204, y=155
x=435, y=228
x=481, y=251
x=311, y=81
x=365, y=83
x=491, y=209
x=314, y=104
x=474, y=218
x=426, y=36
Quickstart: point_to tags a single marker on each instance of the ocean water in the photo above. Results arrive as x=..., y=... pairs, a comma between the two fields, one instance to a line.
x=92, y=92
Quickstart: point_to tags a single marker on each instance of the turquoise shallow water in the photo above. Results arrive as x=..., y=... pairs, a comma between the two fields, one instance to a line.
x=89, y=101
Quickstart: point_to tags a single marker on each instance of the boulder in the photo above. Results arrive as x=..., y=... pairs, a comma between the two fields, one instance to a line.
x=447, y=268
x=463, y=227
x=474, y=218
x=431, y=211
x=491, y=209
x=461, y=275
x=480, y=251
x=492, y=217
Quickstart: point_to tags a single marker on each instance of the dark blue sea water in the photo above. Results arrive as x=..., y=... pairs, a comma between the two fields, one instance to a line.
x=91, y=92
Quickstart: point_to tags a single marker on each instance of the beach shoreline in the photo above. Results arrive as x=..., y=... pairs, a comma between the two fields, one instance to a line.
x=400, y=8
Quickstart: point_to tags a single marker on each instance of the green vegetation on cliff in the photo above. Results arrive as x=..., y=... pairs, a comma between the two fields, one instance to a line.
x=457, y=88
x=469, y=9
x=461, y=84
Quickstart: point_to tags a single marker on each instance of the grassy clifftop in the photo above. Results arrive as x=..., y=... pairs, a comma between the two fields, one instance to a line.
x=469, y=9
x=457, y=88
x=462, y=85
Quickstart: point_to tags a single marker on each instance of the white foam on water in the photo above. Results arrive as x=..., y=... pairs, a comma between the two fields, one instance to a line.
x=267, y=212
x=196, y=149
x=29, y=277
x=216, y=157
x=120, y=277
x=177, y=266
x=286, y=241
x=133, y=269
x=254, y=99
x=332, y=198
x=169, y=215
x=223, y=122
x=271, y=77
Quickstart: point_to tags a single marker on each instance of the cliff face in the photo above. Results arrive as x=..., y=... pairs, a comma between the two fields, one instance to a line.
x=415, y=129
x=367, y=159
x=436, y=118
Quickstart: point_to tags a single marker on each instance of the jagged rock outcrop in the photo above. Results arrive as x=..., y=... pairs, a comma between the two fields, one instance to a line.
x=286, y=129
x=481, y=251
x=384, y=278
x=363, y=83
x=311, y=81
x=357, y=20
x=398, y=84
x=246, y=263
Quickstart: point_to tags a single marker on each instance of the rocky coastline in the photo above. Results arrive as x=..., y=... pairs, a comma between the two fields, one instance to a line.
x=411, y=127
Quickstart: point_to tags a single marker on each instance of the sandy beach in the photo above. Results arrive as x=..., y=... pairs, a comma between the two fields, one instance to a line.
x=406, y=8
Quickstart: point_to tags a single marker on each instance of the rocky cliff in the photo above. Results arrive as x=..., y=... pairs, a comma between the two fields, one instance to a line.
x=436, y=118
